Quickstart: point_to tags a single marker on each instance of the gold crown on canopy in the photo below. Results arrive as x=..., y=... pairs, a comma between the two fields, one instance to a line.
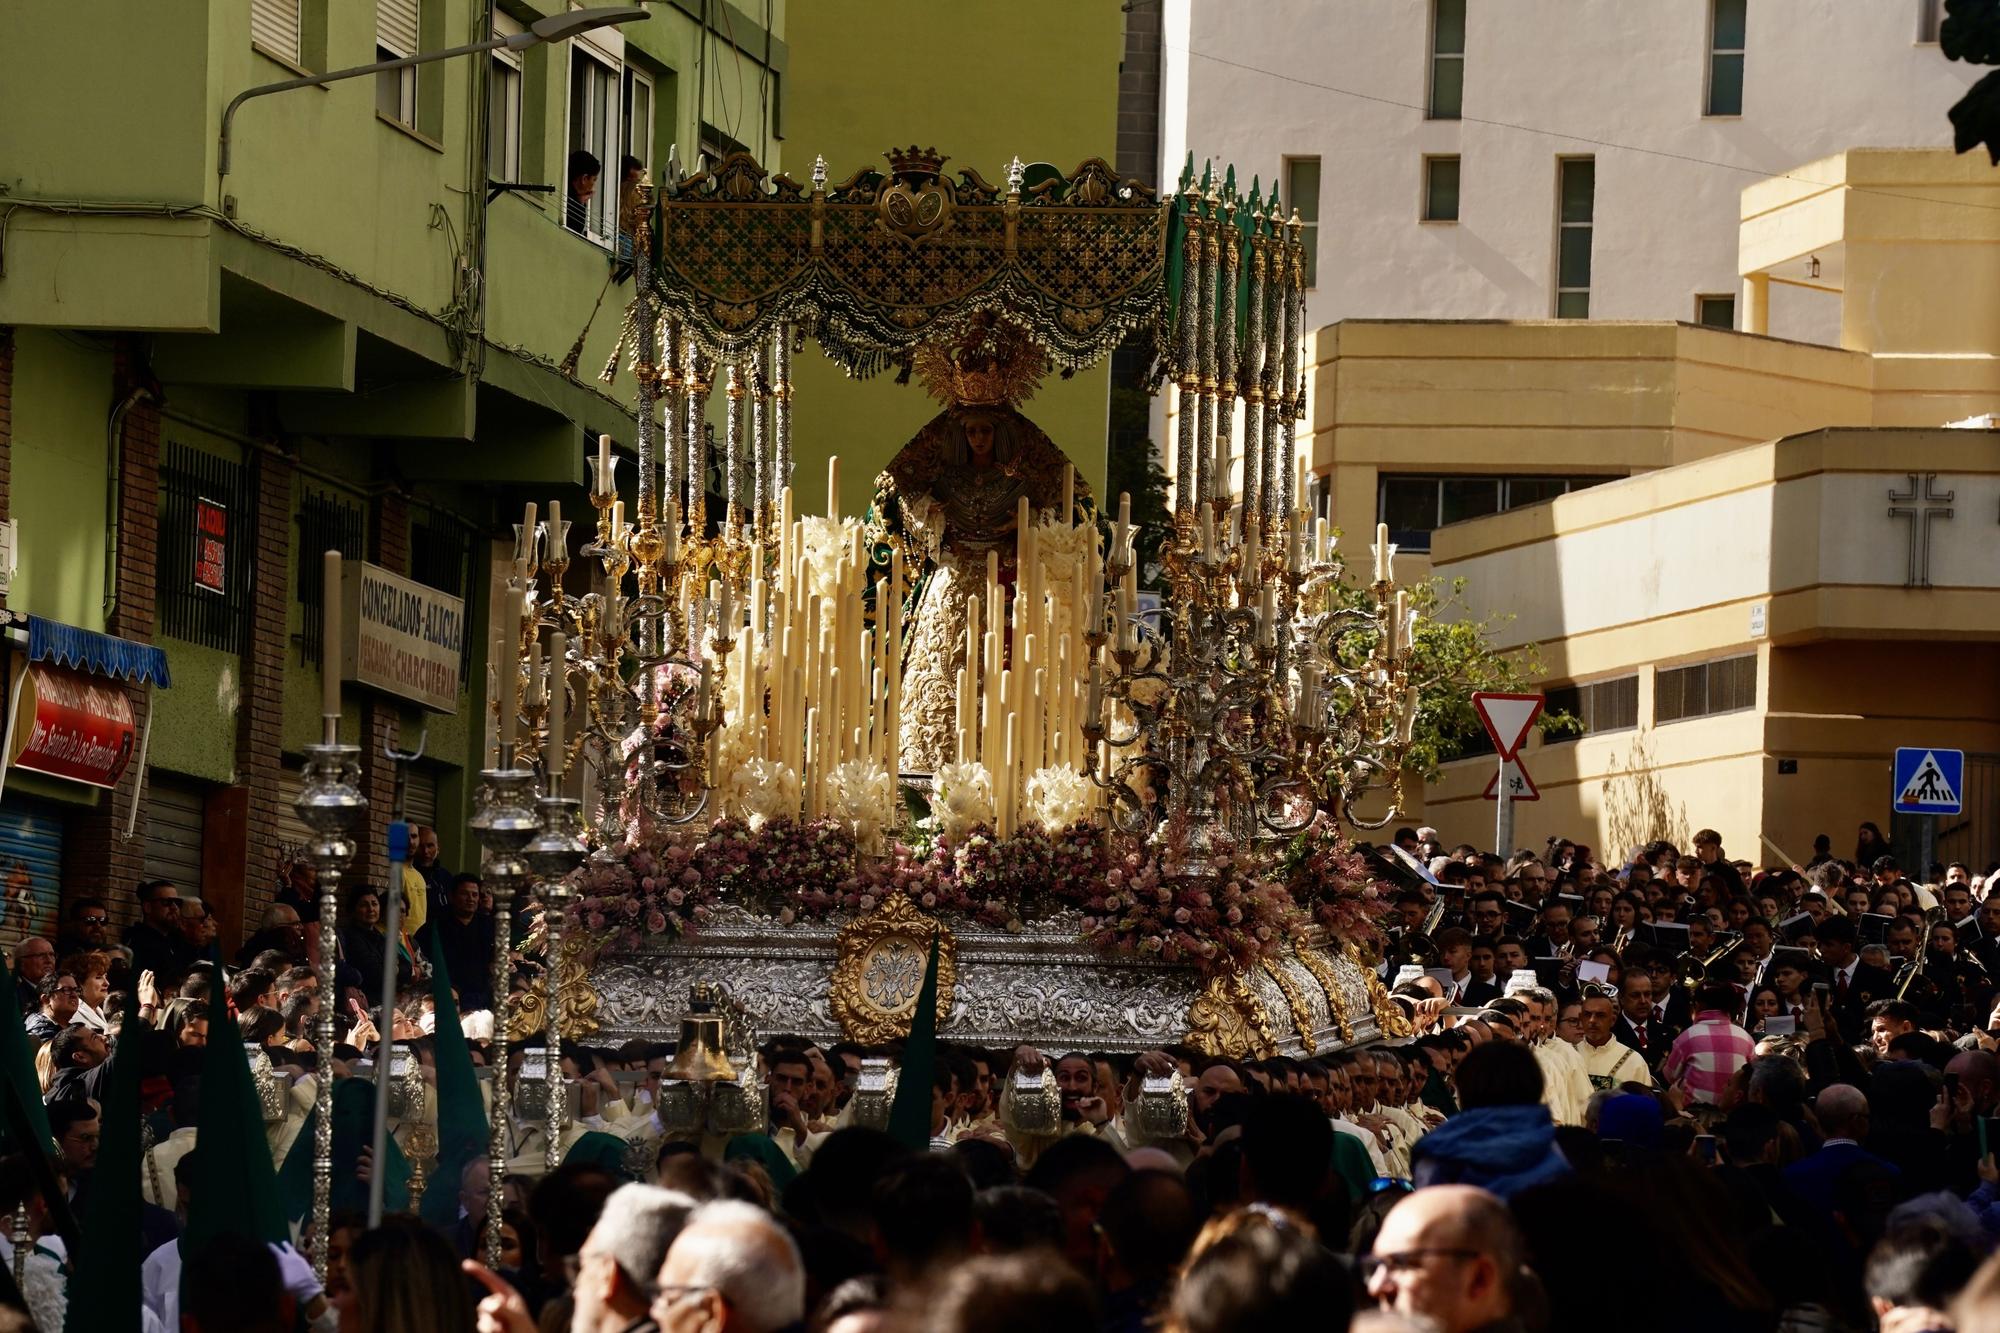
x=993, y=364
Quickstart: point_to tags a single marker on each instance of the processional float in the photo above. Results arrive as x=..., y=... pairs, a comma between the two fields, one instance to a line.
x=815, y=744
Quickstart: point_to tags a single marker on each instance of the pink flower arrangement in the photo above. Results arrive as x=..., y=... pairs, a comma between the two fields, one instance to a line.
x=1330, y=880
x=810, y=870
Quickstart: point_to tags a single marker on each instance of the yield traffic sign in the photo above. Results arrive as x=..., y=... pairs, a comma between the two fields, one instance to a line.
x=1514, y=773
x=1507, y=718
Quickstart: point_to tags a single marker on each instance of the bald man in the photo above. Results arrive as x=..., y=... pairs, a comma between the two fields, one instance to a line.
x=1449, y=1257
x=1978, y=1086
x=732, y=1269
x=1842, y=1112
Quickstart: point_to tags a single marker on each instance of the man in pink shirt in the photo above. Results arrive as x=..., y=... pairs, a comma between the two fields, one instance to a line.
x=1706, y=1056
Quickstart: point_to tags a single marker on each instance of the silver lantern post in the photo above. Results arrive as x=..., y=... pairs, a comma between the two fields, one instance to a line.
x=556, y=851
x=330, y=803
x=504, y=821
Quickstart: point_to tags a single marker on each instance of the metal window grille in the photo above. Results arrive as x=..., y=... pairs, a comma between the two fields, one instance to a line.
x=187, y=611
x=327, y=522
x=441, y=558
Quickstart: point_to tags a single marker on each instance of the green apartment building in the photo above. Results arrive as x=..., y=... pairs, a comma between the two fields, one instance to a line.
x=375, y=322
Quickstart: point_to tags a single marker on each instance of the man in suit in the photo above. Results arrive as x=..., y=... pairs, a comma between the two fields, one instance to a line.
x=1483, y=985
x=1842, y=1111
x=1855, y=985
x=1637, y=1027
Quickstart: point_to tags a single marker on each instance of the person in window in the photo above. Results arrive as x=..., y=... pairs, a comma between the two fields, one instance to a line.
x=631, y=174
x=584, y=169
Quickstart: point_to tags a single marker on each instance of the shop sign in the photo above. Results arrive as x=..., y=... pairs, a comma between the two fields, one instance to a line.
x=71, y=725
x=402, y=637
x=211, y=546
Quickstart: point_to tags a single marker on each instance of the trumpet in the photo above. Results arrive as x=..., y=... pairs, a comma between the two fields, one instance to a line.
x=1693, y=971
x=1420, y=945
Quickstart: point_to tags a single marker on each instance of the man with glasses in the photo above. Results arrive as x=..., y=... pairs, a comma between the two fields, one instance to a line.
x=56, y=1006
x=34, y=958
x=732, y=1269
x=88, y=929
x=1449, y=1257
x=156, y=941
x=1487, y=913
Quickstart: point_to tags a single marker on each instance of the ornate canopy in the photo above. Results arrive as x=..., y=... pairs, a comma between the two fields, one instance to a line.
x=888, y=261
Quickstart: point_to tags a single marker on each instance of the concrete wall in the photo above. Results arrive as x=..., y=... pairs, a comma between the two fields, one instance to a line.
x=62, y=409
x=1254, y=82
x=1681, y=566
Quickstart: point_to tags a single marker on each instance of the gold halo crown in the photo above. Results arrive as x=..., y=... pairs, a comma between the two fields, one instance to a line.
x=994, y=364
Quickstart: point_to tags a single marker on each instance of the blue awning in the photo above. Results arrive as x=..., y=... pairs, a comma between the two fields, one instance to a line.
x=104, y=654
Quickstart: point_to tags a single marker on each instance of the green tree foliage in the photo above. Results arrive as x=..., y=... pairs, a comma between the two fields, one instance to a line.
x=1971, y=32
x=1451, y=659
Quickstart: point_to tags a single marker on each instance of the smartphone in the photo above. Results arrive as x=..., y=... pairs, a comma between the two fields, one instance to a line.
x=1704, y=1149
x=1822, y=988
x=1951, y=1089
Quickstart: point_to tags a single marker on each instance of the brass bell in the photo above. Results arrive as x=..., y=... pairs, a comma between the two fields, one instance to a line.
x=700, y=1056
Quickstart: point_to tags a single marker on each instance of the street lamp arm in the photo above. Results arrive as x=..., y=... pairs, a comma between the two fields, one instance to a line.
x=555, y=28
x=336, y=76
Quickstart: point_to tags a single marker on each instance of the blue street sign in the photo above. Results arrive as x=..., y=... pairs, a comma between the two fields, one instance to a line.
x=1929, y=781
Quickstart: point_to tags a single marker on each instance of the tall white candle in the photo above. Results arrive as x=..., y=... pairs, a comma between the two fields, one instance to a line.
x=534, y=672
x=330, y=658
x=833, y=487
x=1381, y=552
x=510, y=669
x=554, y=758
x=604, y=475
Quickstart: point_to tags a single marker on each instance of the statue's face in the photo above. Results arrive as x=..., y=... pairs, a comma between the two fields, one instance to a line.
x=979, y=439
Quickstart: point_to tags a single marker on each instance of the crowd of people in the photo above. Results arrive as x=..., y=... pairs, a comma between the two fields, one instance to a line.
x=1680, y=1091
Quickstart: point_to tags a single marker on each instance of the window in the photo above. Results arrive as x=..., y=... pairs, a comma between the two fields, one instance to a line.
x=275, y=26
x=1726, y=23
x=1727, y=685
x=593, y=130
x=207, y=543
x=1715, y=312
x=1447, y=59
x=441, y=558
x=327, y=522
x=1602, y=705
x=1576, y=206
x=1413, y=506
x=637, y=107
x=503, y=94
x=1440, y=189
x=396, y=28
x=1927, y=20
x=1302, y=193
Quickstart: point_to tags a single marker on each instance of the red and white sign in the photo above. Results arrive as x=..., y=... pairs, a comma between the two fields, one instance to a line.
x=211, y=546
x=1514, y=773
x=72, y=726
x=1508, y=718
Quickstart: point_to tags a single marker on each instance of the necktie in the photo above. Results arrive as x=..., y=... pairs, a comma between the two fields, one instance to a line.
x=1659, y=1013
x=1641, y=1029
x=1799, y=1014
x=1840, y=986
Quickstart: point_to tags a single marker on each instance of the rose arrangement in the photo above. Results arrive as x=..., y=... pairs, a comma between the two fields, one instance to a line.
x=1132, y=904
x=1330, y=880
x=1230, y=918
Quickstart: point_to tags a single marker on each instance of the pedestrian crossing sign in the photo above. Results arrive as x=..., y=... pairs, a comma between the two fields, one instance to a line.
x=1929, y=781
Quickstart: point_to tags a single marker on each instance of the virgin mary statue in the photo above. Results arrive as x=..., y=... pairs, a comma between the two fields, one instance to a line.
x=950, y=499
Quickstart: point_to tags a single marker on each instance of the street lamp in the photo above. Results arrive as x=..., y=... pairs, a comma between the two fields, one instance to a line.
x=554, y=28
